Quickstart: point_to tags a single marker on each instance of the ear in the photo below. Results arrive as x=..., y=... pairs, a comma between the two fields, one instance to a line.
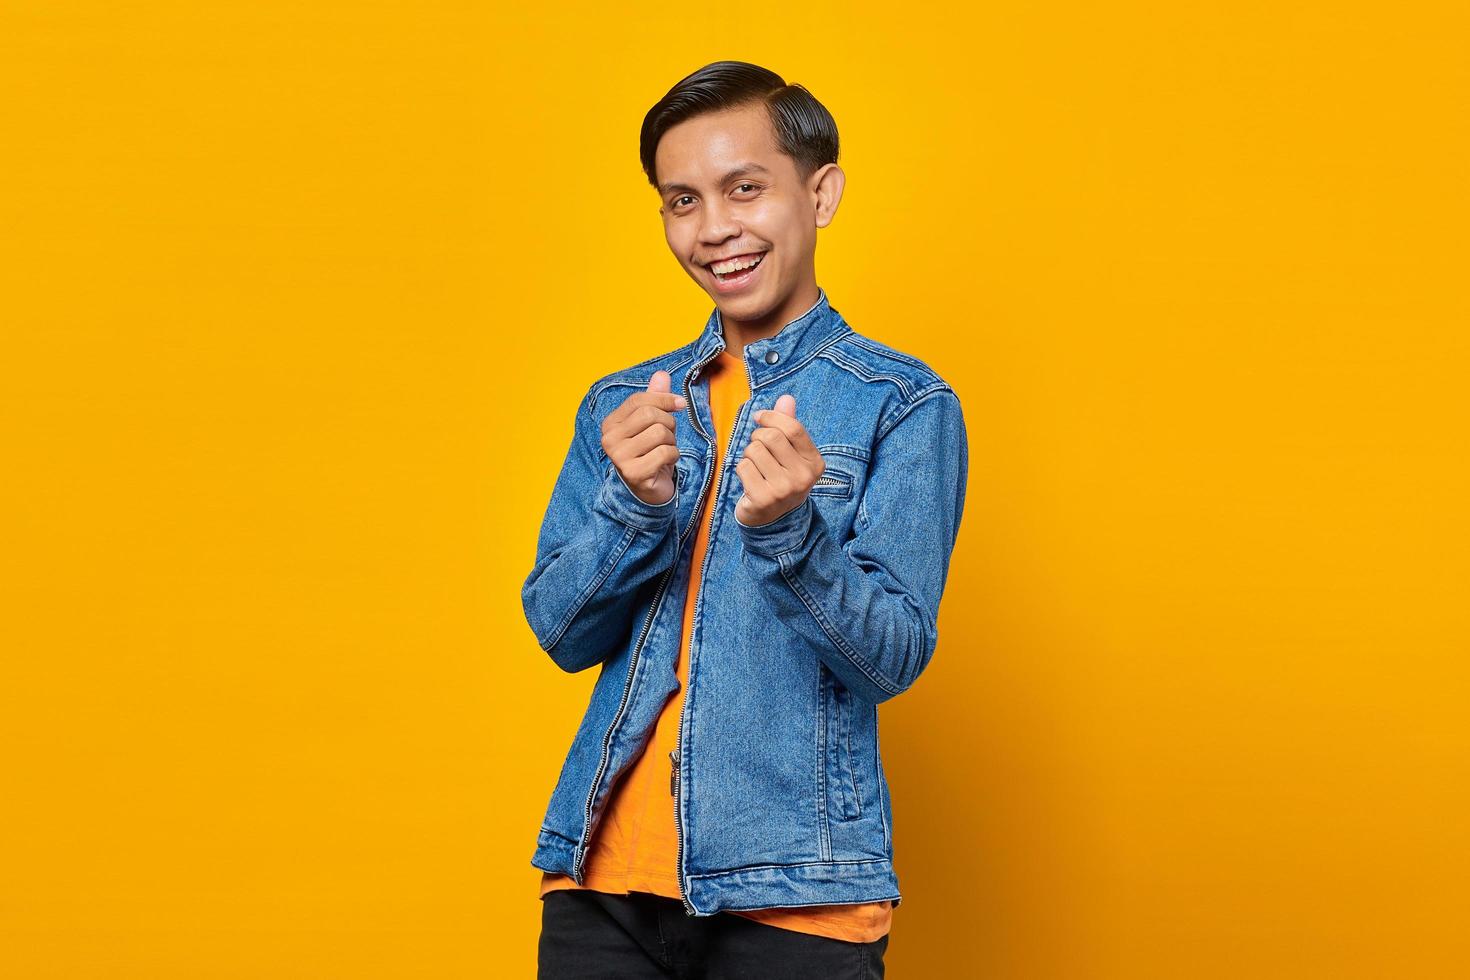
x=827, y=184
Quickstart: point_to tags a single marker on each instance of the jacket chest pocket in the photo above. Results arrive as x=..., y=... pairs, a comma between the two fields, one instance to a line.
x=833, y=483
x=843, y=797
x=688, y=481
x=687, y=471
x=837, y=491
x=844, y=466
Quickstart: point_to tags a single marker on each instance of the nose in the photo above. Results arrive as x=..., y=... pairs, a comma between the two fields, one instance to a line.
x=717, y=223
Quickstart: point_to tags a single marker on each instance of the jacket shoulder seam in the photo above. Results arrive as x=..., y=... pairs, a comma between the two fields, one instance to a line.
x=937, y=387
x=859, y=371
x=891, y=353
x=684, y=354
x=912, y=376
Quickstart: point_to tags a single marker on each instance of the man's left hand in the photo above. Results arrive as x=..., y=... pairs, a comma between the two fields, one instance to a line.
x=779, y=465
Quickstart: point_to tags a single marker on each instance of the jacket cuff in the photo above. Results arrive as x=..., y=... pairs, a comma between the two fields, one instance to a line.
x=618, y=500
x=780, y=535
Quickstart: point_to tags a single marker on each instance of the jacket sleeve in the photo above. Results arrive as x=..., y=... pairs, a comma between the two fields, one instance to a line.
x=599, y=545
x=870, y=607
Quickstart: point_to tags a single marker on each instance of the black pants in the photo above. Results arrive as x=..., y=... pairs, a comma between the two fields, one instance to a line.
x=591, y=935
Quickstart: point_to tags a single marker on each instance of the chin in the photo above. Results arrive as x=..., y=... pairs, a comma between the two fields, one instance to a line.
x=745, y=300
x=742, y=307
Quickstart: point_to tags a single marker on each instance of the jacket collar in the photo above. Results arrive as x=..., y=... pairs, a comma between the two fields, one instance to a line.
x=782, y=351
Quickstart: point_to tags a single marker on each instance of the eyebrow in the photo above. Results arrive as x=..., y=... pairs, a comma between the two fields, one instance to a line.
x=729, y=175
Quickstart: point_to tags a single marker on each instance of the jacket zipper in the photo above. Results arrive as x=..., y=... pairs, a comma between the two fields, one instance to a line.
x=578, y=874
x=678, y=812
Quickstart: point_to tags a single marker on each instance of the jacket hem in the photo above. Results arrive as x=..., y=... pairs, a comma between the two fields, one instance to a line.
x=794, y=885
x=763, y=887
x=554, y=852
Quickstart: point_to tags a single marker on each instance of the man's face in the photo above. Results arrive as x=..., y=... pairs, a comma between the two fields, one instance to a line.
x=726, y=190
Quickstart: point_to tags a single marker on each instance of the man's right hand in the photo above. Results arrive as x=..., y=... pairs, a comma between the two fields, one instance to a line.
x=638, y=436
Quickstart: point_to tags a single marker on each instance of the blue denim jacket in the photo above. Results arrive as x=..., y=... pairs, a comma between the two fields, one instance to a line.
x=802, y=626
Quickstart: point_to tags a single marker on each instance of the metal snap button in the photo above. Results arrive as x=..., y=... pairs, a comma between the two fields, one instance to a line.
x=772, y=357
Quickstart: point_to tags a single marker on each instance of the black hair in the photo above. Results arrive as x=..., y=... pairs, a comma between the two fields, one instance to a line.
x=805, y=130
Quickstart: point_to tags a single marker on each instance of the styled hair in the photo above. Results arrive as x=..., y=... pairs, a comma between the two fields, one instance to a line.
x=805, y=130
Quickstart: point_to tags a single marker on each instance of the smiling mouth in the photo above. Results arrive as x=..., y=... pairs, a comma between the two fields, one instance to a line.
x=740, y=273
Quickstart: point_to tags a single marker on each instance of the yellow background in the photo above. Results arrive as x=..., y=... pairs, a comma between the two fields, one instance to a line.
x=298, y=301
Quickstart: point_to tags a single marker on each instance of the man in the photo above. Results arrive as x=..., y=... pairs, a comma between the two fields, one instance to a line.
x=750, y=536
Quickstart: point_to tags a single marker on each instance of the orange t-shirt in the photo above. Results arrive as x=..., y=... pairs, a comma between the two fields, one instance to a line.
x=635, y=847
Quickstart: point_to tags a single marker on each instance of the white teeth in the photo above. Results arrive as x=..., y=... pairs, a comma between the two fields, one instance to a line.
x=732, y=265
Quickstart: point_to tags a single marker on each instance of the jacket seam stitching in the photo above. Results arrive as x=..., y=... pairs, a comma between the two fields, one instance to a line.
x=863, y=374
x=847, y=724
x=602, y=384
x=592, y=587
x=903, y=411
x=832, y=634
x=877, y=347
x=824, y=833
x=556, y=833
x=797, y=905
x=879, y=783
x=743, y=869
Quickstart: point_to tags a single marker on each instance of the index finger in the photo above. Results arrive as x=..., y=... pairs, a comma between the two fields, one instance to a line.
x=796, y=433
x=669, y=401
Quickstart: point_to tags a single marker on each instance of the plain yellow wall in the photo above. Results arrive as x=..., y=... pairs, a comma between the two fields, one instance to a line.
x=298, y=301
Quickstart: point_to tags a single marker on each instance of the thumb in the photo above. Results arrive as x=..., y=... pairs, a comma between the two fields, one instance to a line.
x=660, y=381
x=786, y=405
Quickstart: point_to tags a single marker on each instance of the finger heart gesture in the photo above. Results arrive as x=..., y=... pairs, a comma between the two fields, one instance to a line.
x=778, y=467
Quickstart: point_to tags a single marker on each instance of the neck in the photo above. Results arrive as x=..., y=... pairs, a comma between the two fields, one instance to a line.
x=738, y=333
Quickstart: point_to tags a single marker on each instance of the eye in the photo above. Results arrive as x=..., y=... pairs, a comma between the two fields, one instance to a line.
x=679, y=198
x=747, y=184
